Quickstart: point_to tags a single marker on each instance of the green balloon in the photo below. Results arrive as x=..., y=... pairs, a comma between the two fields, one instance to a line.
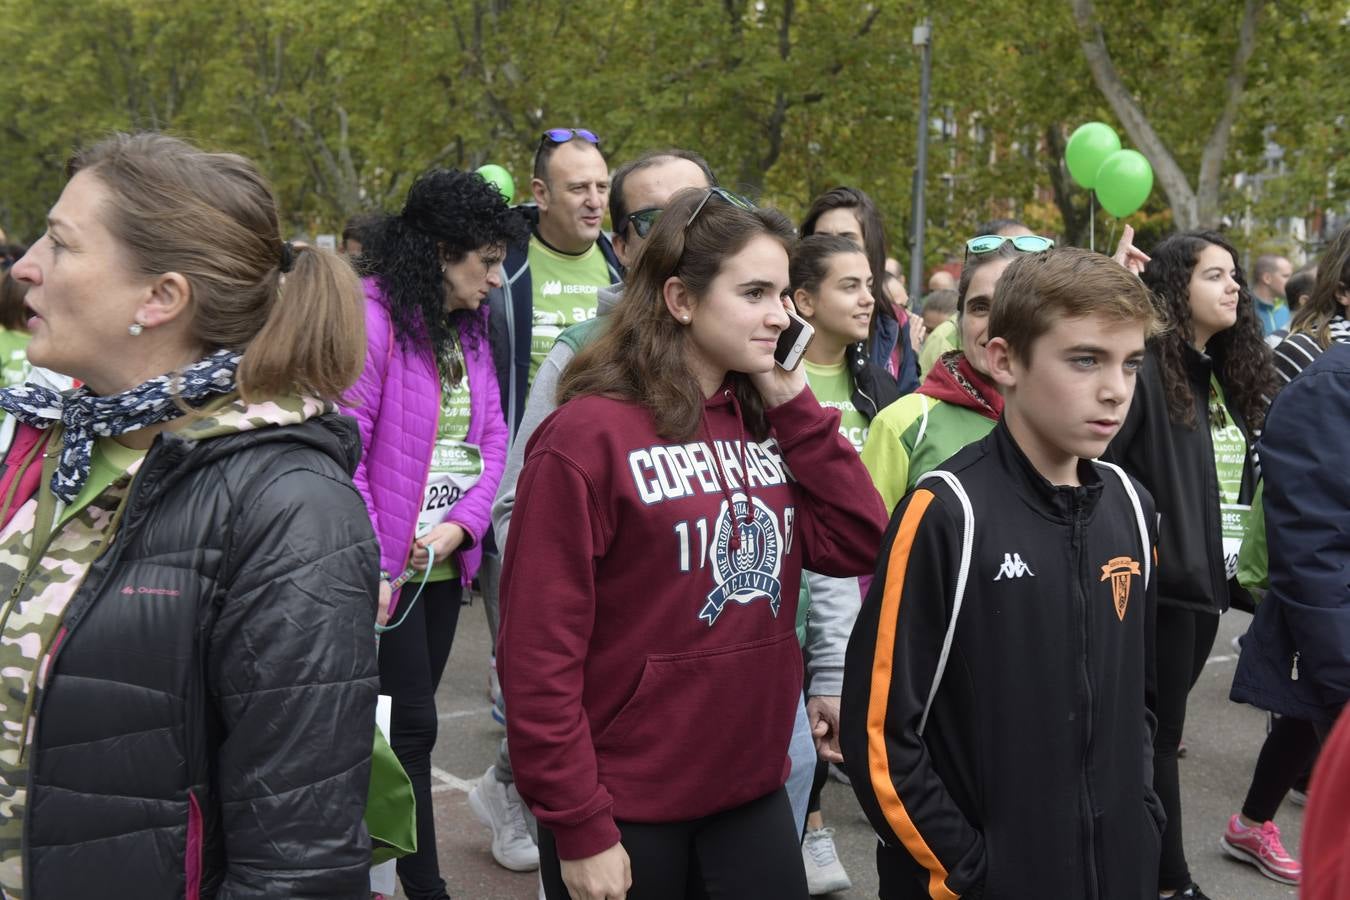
x=1124, y=182
x=499, y=178
x=1088, y=148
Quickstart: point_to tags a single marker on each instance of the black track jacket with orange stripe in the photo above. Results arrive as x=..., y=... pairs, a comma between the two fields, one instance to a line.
x=1032, y=773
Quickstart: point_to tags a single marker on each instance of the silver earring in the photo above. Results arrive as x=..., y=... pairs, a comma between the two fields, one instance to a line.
x=684, y=318
x=135, y=328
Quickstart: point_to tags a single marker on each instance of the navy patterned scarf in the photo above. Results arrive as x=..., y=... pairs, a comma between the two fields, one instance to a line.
x=87, y=416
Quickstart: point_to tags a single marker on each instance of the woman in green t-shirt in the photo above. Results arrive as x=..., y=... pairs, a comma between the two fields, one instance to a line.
x=1200, y=398
x=832, y=289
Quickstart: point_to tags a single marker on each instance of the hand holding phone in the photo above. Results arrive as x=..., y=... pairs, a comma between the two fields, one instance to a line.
x=788, y=377
x=793, y=341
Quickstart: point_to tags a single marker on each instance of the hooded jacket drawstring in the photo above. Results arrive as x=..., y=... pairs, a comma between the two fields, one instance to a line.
x=721, y=473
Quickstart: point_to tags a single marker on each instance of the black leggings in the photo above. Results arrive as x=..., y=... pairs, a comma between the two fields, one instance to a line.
x=745, y=853
x=412, y=659
x=817, y=786
x=1289, y=750
x=1183, y=644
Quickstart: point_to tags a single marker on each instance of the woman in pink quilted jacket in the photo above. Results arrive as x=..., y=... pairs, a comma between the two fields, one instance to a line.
x=433, y=447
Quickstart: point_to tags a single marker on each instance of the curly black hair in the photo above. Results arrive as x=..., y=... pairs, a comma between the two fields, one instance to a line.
x=1242, y=360
x=448, y=215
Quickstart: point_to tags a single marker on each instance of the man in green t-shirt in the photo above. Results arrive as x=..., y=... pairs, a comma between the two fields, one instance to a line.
x=551, y=281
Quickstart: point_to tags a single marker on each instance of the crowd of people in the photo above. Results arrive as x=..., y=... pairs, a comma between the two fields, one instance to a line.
x=969, y=556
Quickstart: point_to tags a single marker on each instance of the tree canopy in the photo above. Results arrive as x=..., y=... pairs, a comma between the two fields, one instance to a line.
x=343, y=102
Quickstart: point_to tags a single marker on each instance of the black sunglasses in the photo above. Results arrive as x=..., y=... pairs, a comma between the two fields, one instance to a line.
x=642, y=220
x=563, y=135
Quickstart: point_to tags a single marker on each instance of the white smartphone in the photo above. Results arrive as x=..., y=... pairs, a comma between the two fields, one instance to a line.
x=792, y=342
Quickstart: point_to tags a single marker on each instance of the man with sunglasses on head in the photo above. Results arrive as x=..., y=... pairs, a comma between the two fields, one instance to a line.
x=552, y=280
x=640, y=189
x=638, y=192
x=549, y=282
x=944, y=338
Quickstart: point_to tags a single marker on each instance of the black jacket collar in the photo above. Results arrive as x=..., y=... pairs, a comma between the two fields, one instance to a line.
x=1062, y=502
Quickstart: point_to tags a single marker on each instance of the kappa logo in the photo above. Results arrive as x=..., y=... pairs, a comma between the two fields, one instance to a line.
x=550, y=289
x=1119, y=569
x=1013, y=567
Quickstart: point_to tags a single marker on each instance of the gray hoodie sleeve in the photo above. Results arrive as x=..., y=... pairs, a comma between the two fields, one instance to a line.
x=542, y=401
x=834, y=608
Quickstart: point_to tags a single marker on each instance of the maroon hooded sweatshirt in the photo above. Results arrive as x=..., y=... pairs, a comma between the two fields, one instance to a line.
x=648, y=656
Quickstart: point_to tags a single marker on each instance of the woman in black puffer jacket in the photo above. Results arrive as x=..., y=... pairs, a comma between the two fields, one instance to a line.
x=187, y=645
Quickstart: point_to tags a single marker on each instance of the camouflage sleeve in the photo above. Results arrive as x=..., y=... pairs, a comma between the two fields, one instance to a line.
x=292, y=668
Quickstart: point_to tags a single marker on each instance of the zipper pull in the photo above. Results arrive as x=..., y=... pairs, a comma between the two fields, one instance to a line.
x=1293, y=674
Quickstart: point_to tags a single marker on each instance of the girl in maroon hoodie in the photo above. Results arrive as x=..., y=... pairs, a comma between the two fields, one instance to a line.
x=663, y=516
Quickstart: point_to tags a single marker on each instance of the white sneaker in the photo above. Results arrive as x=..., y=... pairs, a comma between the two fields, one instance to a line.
x=498, y=806
x=542, y=895
x=824, y=872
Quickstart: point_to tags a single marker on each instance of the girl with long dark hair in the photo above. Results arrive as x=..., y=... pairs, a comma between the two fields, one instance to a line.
x=664, y=514
x=850, y=212
x=832, y=290
x=433, y=446
x=1199, y=400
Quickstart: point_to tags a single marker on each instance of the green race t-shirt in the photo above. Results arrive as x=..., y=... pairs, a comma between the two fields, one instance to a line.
x=565, y=289
x=833, y=387
x=1230, y=457
x=942, y=339
x=14, y=367
x=456, y=466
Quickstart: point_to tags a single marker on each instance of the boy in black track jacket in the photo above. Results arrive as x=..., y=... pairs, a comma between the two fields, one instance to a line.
x=994, y=712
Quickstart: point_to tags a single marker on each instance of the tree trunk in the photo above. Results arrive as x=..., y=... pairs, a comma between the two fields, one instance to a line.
x=1075, y=218
x=1191, y=207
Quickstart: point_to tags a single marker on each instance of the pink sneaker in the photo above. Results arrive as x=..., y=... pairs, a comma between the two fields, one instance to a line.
x=1260, y=845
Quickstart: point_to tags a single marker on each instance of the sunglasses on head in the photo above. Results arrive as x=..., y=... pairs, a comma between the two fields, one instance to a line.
x=735, y=200
x=563, y=135
x=642, y=220
x=988, y=243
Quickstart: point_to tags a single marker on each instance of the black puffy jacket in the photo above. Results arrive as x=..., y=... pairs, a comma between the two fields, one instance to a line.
x=206, y=727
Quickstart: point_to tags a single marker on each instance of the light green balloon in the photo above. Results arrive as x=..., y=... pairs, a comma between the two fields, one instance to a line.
x=1088, y=148
x=1124, y=182
x=499, y=178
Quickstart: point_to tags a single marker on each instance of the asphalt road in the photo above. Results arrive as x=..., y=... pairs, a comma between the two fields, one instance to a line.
x=1222, y=740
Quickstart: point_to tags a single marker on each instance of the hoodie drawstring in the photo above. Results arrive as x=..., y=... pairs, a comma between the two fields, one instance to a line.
x=735, y=543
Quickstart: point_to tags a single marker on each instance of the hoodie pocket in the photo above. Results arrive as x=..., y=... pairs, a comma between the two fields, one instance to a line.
x=720, y=717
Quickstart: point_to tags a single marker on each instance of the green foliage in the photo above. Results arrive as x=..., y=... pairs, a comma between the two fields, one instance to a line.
x=343, y=102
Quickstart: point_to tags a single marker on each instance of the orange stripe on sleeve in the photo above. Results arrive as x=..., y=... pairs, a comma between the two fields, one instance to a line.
x=878, y=763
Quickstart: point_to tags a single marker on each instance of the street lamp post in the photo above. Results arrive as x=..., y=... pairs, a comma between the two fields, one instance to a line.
x=923, y=38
